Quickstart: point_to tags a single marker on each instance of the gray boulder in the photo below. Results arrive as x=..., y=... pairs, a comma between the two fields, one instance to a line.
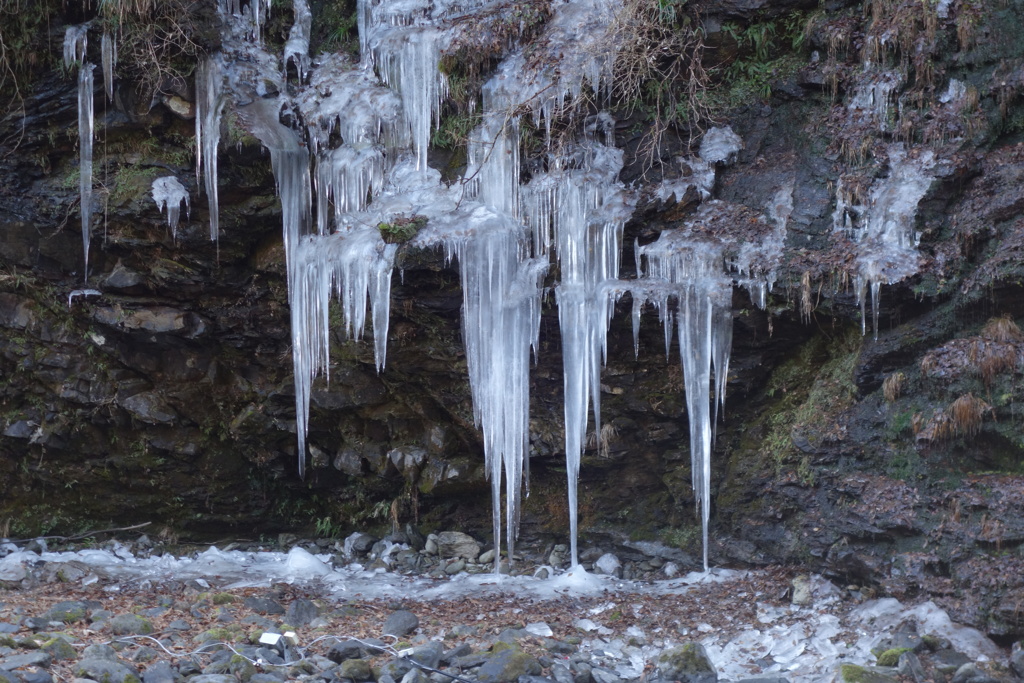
x=507, y=666
x=457, y=544
x=400, y=623
x=106, y=670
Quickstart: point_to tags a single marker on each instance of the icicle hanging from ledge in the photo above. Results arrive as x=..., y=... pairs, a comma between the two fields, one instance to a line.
x=883, y=227
x=108, y=52
x=209, y=109
x=75, y=43
x=168, y=192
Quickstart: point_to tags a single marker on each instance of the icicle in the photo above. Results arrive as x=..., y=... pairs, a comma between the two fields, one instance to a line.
x=75, y=43
x=500, y=323
x=297, y=48
x=108, y=52
x=76, y=40
x=169, y=193
x=349, y=175
x=85, y=133
x=210, y=101
x=588, y=209
x=407, y=60
x=356, y=266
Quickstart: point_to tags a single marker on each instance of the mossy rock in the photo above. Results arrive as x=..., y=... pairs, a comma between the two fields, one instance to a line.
x=217, y=634
x=688, y=663
x=130, y=625
x=852, y=673
x=891, y=657
x=59, y=649
x=507, y=666
x=355, y=670
x=224, y=598
x=241, y=668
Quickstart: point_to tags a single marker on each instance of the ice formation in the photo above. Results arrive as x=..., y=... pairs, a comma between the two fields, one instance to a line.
x=169, y=193
x=108, y=58
x=209, y=109
x=874, y=97
x=720, y=146
x=353, y=160
x=584, y=206
x=883, y=225
x=75, y=43
x=297, y=48
x=697, y=266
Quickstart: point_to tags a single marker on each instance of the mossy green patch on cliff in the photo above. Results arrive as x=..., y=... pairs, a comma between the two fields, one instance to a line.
x=810, y=392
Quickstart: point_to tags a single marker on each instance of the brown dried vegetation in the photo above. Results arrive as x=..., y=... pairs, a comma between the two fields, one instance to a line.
x=893, y=386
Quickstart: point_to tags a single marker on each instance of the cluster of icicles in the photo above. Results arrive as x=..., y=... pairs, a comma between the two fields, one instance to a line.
x=357, y=159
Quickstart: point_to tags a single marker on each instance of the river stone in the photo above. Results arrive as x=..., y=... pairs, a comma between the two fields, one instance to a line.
x=602, y=675
x=507, y=666
x=130, y=625
x=1017, y=658
x=107, y=671
x=36, y=677
x=160, y=672
x=264, y=606
x=687, y=663
x=70, y=611
x=100, y=651
x=59, y=649
x=344, y=650
x=400, y=623
x=948, y=661
x=971, y=673
x=415, y=676
x=457, y=544
x=301, y=612
x=9, y=677
x=396, y=668
x=909, y=666
x=213, y=678
x=428, y=654
x=802, y=590
x=764, y=679
x=355, y=670
x=38, y=658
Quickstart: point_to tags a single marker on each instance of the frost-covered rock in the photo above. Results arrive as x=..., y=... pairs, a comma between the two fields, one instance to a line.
x=609, y=564
x=720, y=145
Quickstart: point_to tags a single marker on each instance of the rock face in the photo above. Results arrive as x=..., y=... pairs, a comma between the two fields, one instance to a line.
x=163, y=383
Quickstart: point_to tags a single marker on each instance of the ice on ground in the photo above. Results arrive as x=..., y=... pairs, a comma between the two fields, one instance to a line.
x=803, y=644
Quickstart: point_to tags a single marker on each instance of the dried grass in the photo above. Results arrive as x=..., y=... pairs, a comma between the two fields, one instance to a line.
x=893, y=386
x=966, y=414
x=1002, y=329
x=806, y=304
